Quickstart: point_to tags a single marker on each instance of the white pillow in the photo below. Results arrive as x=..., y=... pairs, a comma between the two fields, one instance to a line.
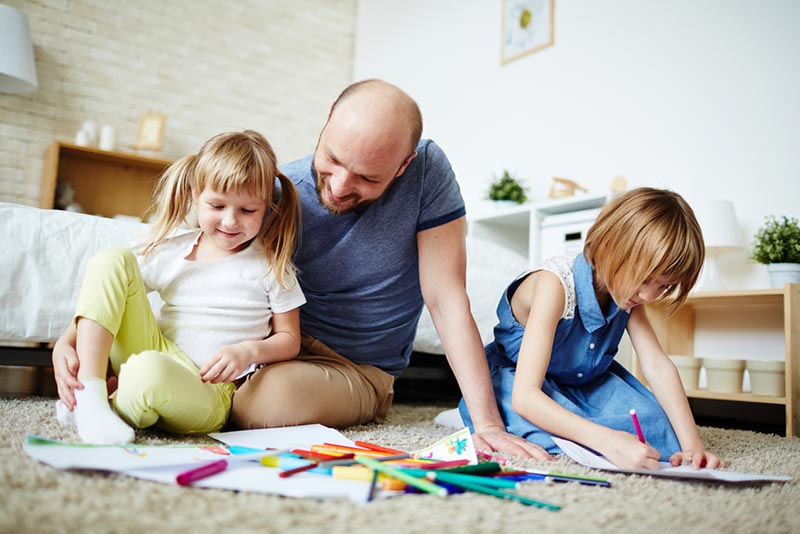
x=490, y=269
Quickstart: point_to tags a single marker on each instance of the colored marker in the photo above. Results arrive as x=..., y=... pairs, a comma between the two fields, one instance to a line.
x=313, y=464
x=489, y=482
x=523, y=476
x=419, y=483
x=636, y=425
x=217, y=466
x=198, y=473
x=478, y=488
x=485, y=468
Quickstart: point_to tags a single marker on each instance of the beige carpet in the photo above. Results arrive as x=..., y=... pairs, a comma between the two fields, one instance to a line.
x=38, y=498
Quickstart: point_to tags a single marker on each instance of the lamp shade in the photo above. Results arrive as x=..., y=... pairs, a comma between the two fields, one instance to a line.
x=17, y=70
x=717, y=220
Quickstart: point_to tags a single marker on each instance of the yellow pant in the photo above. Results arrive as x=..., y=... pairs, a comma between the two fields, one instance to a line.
x=158, y=384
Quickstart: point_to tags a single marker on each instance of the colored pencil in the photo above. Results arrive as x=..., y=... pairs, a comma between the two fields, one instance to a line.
x=419, y=483
x=378, y=448
x=310, y=455
x=449, y=464
x=636, y=425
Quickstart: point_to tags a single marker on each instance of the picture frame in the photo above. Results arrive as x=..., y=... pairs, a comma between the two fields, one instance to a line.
x=150, y=135
x=527, y=27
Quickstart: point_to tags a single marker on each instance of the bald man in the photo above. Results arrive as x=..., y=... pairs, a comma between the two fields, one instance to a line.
x=382, y=234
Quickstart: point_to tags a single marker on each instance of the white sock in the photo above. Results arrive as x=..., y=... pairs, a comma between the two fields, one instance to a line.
x=63, y=414
x=96, y=420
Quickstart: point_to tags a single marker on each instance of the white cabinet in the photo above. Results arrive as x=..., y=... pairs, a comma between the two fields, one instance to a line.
x=536, y=230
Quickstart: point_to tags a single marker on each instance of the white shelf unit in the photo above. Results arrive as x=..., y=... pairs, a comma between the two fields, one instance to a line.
x=535, y=230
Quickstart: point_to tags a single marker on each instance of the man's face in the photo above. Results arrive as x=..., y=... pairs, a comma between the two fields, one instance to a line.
x=353, y=167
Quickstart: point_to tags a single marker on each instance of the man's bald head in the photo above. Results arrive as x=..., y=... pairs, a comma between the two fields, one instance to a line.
x=387, y=107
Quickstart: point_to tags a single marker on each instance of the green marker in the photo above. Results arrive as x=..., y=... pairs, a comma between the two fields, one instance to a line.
x=420, y=483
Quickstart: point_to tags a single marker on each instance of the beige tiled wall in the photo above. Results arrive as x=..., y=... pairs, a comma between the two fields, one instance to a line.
x=208, y=65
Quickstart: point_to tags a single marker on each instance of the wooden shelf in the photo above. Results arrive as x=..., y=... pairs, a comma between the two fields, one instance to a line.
x=676, y=335
x=105, y=183
x=738, y=397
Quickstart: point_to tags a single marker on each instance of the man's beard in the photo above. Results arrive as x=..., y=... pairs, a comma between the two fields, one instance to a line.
x=320, y=186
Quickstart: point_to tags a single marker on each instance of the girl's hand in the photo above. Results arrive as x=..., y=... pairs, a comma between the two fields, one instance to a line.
x=626, y=451
x=227, y=363
x=697, y=457
x=65, y=370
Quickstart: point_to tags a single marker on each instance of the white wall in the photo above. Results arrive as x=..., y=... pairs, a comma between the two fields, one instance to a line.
x=702, y=97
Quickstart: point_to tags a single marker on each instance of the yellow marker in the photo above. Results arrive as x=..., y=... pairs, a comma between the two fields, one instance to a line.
x=270, y=461
x=357, y=472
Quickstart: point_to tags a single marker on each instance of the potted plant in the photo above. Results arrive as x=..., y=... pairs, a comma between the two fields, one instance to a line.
x=777, y=245
x=507, y=188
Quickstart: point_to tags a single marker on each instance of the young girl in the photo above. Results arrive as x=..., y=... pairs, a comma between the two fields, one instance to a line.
x=552, y=360
x=229, y=290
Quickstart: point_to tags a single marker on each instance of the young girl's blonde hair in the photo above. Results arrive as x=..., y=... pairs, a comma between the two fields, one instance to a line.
x=242, y=162
x=643, y=234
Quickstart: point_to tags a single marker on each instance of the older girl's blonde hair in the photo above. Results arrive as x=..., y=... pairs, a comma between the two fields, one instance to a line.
x=242, y=162
x=643, y=234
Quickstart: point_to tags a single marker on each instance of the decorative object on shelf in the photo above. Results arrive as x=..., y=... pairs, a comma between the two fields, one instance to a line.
x=17, y=69
x=108, y=137
x=563, y=187
x=618, y=185
x=777, y=245
x=724, y=376
x=88, y=134
x=527, y=27
x=507, y=188
x=688, y=369
x=767, y=377
x=717, y=220
x=65, y=198
x=150, y=134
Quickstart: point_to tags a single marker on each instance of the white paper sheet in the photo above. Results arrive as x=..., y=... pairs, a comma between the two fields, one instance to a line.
x=586, y=457
x=164, y=463
x=290, y=437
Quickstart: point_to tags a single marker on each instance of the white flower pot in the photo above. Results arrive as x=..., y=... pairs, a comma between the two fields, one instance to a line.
x=724, y=376
x=767, y=377
x=688, y=369
x=783, y=273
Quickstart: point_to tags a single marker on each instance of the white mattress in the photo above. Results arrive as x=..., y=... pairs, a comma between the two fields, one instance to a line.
x=44, y=253
x=42, y=260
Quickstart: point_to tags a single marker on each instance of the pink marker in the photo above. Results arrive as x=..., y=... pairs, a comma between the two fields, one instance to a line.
x=636, y=425
x=199, y=473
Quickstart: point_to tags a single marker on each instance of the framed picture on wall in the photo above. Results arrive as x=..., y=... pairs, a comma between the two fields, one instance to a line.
x=527, y=27
x=150, y=134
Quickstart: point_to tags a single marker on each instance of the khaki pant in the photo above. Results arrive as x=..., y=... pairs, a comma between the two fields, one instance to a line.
x=319, y=386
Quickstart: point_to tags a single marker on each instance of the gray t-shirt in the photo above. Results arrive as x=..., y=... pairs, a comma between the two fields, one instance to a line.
x=359, y=271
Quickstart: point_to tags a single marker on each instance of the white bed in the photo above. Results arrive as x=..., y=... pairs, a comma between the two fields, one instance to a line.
x=44, y=253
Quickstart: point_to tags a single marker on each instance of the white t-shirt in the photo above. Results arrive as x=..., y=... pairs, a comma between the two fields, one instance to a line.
x=212, y=304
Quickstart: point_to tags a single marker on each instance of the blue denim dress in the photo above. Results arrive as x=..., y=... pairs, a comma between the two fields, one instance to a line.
x=582, y=376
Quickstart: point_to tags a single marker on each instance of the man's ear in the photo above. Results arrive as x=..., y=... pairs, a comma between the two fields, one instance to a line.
x=402, y=168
